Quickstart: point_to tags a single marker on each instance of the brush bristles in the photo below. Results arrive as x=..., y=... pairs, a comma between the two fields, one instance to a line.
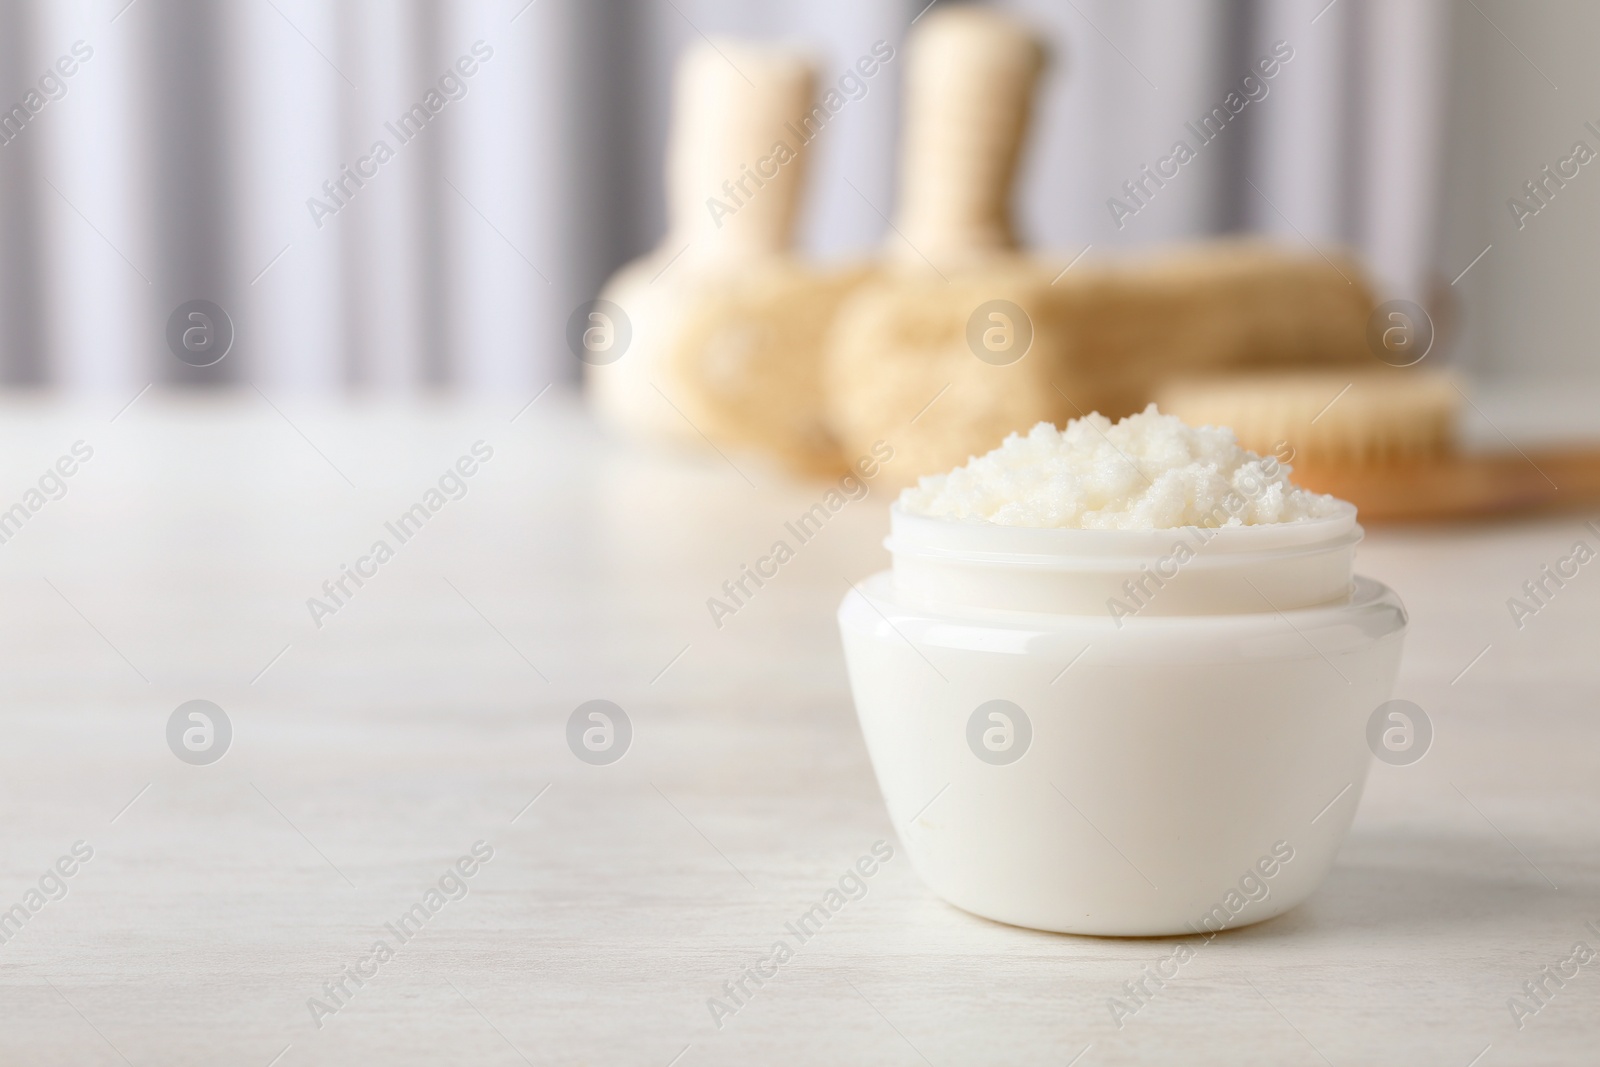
x=1361, y=418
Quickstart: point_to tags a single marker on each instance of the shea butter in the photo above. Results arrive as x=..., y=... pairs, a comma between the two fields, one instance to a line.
x=1135, y=633
x=1148, y=471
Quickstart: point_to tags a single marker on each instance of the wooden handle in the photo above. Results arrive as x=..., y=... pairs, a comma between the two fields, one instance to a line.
x=731, y=191
x=969, y=90
x=1463, y=486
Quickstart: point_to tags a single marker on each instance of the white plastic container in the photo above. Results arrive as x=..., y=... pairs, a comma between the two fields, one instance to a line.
x=1188, y=761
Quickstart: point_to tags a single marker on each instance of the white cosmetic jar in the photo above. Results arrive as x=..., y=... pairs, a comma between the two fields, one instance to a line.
x=1100, y=732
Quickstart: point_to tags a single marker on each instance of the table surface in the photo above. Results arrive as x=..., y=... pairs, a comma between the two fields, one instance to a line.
x=429, y=710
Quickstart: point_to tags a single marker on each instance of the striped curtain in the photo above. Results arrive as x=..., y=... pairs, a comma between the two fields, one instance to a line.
x=400, y=195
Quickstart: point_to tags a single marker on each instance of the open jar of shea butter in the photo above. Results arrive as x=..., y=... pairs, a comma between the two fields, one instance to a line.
x=1122, y=731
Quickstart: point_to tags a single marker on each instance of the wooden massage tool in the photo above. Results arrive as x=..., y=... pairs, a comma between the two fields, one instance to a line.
x=1384, y=438
x=903, y=360
x=727, y=324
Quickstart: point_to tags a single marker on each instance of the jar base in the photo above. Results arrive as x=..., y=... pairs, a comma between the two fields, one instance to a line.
x=1147, y=777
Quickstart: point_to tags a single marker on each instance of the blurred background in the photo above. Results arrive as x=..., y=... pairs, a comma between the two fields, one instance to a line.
x=397, y=313
x=177, y=159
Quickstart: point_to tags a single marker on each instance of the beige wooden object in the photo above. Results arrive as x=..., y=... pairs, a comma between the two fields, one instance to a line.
x=1219, y=307
x=1105, y=333
x=727, y=324
x=1350, y=416
x=1385, y=440
x=1455, y=486
x=970, y=77
x=899, y=367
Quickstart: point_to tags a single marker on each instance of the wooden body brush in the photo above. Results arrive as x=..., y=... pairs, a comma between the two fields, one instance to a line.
x=1384, y=439
x=727, y=323
x=904, y=363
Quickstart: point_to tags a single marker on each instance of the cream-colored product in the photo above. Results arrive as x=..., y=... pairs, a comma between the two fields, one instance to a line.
x=1138, y=730
x=726, y=324
x=1147, y=472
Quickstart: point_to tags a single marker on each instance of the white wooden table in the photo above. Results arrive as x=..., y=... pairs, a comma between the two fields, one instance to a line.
x=430, y=709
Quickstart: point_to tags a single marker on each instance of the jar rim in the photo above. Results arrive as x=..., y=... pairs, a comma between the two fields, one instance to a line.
x=982, y=541
x=1181, y=570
